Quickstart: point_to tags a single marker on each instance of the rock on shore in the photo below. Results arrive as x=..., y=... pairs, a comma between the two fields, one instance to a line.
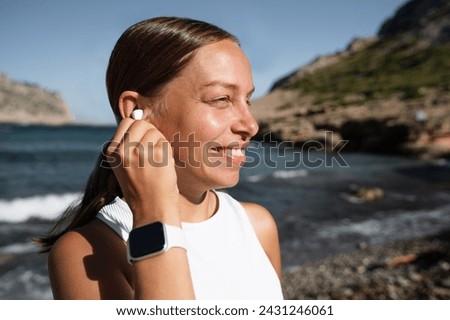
x=385, y=94
x=23, y=103
x=414, y=269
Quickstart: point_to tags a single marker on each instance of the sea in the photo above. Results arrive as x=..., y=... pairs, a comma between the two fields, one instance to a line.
x=313, y=196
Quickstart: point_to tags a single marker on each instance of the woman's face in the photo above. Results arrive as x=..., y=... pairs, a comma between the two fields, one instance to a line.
x=207, y=118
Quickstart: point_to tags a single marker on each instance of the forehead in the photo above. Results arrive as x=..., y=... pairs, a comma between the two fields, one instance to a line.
x=219, y=62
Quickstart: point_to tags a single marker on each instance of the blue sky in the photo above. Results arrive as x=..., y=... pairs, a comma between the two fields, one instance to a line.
x=65, y=45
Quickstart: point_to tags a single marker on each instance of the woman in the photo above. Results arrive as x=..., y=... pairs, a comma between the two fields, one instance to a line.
x=155, y=182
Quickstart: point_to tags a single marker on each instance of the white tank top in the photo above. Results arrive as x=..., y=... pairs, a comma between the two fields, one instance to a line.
x=225, y=256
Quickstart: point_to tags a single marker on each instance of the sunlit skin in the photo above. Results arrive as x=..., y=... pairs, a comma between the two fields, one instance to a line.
x=210, y=99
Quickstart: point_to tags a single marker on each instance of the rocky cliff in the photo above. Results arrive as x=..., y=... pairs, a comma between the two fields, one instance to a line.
x=25, y=103
x=389, y=93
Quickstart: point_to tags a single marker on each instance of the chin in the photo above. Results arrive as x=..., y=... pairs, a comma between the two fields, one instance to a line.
x=222, y=179
x=226, y=186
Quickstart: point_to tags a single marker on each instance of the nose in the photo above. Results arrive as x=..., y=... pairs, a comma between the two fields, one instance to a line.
x=245, y=124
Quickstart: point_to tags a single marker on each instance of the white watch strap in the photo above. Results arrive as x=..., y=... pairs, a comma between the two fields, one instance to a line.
x=175, y=237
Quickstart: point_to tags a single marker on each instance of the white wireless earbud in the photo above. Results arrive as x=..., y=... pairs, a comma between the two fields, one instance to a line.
x=137, y=114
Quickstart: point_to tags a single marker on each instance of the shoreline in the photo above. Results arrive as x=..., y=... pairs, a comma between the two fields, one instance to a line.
x=401, y=270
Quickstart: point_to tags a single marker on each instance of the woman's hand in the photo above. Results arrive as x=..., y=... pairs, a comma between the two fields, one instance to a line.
x=145, y=169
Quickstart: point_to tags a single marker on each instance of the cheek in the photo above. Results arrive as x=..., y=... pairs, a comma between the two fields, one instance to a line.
x=195, y=137
x=212, y=126
x=205, y=127
x=165, y=126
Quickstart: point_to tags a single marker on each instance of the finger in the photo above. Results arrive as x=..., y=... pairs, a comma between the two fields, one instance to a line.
x=137, y=142
x=123, y=127
x=139, y=137
x=158, y=147
x=129, y=129
x=138, y=129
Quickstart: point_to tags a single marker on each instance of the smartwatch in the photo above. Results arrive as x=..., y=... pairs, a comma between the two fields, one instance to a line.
x=153, y=239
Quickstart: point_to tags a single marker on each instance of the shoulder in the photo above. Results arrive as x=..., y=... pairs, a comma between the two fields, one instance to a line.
x=71, y=245
x=66, y=264
x=266, y=230
x=78, y=260
x=78, y=243
x=260, y=218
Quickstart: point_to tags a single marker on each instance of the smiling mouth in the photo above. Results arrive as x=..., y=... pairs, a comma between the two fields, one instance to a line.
x=230, y=152
x=235, y=155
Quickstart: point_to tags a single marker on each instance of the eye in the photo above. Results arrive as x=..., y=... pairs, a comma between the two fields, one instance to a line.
x=249, y=97
x=220, y=102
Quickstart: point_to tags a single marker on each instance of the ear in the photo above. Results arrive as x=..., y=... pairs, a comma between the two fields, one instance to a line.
x=128, y=101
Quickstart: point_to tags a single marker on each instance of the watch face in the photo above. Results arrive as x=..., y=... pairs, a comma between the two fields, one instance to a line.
x=146, y=240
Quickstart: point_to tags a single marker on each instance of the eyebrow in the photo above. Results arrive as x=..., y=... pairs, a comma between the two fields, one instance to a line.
x=226, y=85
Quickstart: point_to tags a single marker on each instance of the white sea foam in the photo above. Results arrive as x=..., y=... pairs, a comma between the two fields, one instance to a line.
x=18, y=248
x=24, y=283
x=45, y=207
x=279, y=174
x=289, y=174
x=400, y=225
x=255, y=178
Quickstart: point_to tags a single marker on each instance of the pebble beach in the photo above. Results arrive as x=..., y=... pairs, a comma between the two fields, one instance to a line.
x=413, y=269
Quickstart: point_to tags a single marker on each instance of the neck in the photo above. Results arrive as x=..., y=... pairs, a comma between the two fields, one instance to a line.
x=196, y=207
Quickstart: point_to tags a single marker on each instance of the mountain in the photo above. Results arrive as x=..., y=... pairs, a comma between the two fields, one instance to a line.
x=25, y=103
x=389, y=93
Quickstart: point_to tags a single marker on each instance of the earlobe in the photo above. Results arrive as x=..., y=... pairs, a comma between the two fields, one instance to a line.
x=128, y=103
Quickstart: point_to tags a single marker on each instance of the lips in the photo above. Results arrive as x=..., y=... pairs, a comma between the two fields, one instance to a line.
x=235, y=155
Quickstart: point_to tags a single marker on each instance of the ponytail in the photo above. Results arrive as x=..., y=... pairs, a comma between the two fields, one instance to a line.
x=101, y=188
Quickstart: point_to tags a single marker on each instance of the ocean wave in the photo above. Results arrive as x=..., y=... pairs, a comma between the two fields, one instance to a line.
x=23, y=283
x=289, y=174
x=18, y=248
x=278, y=174
x=255, y=178
x=397, y=225
x=44, y=207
